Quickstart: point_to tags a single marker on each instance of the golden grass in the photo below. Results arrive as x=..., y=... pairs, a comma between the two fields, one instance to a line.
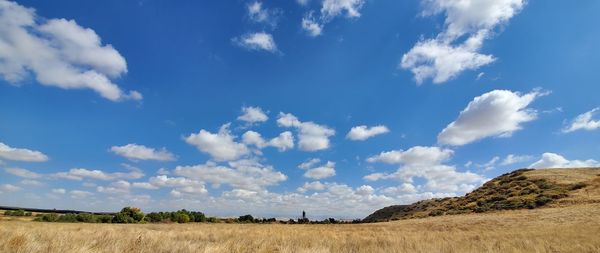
x=565, y=229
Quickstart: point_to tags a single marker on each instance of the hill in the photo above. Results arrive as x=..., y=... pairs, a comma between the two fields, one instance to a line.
x=520, y=189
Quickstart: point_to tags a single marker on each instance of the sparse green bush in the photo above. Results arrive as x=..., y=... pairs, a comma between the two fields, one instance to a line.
x=17, y=213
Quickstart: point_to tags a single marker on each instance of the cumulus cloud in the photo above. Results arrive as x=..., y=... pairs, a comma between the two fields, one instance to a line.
x=324, y=171
x=253, y=115
x=220, y=146
x=141, y=152
x=256, y=42
x=361, y=133
x=441, y=61
x=450, y=53
x=282, y=142
x=312, y=136
x=31, y=182
x=59, y=53
x=9, y=188
x=59, y=191
x=144, y=185
x=583, y=122
x=23, y=173
x=427, y=163
x=81, y=173
x=552, y=160
x=330, y=9
x=312, y=27
x=404, y=188
x=259, y=14
x=118, y=187
x=242, y=174
x=417, y=155
x=333, y=8
x=21, y=154
x=496, y=113
x=312, y=186
x=512, y=159
x=77, y=194
x=309, y=164
x=181, y=185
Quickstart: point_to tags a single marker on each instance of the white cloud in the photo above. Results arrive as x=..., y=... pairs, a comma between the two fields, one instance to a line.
x=31, y=182
x=81, y=173
x=323, y=171
x=21, y=154
x=583, y=122
x=220, y=146
x=282, y=142
x=450, y=53
x=512, y=159
x=312, y=186
x=309, y=164
x=22, y=173
x=312, y=136
x=552, y=160
x=365, y=190
x=312, y=27
x=496, y=113
x=417, y=155
x=242, y=174
x=141, y=152
x=441, y=61
x=427, y=163
x=361, y=133
x=58, y=52
x=59, y=191
x=333, y=8
x=330, y=9
x=9, y=188
x=257, y=41
x=118, y=187
x=144, y=185
x=491, y=164
x=404, y=188
x=258, y=14
x=77, y=194
x=253, y=115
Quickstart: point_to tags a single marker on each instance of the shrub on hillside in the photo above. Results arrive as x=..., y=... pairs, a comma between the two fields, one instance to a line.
x=17, y=213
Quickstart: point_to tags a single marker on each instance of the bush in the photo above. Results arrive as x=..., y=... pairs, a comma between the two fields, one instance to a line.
x=50, y=217
x=17, y=213
x=246, y=218
x=128, y=215
x=181, y=218
x=122, y=218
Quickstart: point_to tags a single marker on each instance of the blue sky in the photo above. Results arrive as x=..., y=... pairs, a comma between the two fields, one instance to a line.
x=336, y=107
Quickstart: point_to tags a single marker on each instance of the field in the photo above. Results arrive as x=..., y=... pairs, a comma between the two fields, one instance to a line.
x=574, y=228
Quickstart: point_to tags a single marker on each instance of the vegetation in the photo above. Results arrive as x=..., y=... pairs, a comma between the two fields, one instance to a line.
x=17, y=213
x=520, y=189
x=573, y=228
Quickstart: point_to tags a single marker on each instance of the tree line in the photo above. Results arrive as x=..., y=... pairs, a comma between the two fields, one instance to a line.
x=135, y=215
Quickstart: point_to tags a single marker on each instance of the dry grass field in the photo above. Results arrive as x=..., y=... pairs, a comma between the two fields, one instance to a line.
x=570, y=224
x=561, y=229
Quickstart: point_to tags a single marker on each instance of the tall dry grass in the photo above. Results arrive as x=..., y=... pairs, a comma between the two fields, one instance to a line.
x=566, y=229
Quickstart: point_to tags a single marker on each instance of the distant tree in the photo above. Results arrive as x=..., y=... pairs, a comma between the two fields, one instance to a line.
x=129, y=215
x=246, y=218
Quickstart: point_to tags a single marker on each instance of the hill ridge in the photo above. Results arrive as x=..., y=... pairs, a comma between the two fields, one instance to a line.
x=519, y=189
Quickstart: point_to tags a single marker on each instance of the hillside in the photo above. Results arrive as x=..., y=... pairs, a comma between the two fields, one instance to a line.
x=520, y=189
